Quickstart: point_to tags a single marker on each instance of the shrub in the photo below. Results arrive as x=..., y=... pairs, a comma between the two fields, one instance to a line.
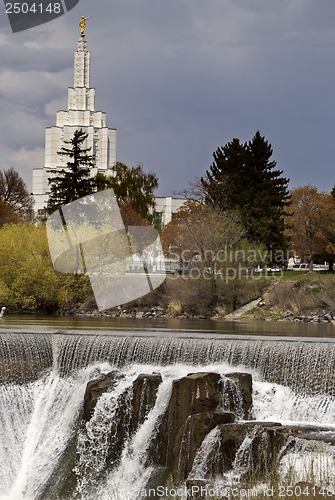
x=28, y=280
x=174, y=308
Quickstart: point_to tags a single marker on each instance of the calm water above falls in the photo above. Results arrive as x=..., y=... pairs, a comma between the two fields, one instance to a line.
x=173, y=325
x=44, y=371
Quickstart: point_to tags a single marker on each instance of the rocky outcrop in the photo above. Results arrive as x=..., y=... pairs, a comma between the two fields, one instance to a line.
x=95, y=388
x=195, y=393
x=205, y=431
x=133, y=406
x=144, y=394
x=190, y=438
x=195, y=407
x=238, y=393
x=251, y=449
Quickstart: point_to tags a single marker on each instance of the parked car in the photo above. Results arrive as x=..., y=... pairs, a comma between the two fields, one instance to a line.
x=305, y=267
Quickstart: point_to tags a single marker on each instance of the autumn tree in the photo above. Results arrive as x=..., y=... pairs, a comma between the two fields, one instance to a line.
x=204, y=239
x=74, y=181
x=312, y=224
x=244, y=178
x=16, y=202
x=7, y=214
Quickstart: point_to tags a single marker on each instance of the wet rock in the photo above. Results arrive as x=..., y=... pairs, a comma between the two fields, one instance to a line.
x=190, y=437
x=145, y=389
x=232, y=437
x=133, y=406
x=252, y=448
x=255, y=456
x=95, y=388
x=158, y=477
x=195, y=393
x=244, y=387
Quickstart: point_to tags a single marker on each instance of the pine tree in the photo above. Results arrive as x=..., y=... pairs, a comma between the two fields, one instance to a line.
x=244, y=178
x=222, y=183
x=265, y=197
x=74, y=181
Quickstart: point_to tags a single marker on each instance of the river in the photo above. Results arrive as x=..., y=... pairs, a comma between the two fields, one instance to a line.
x=45, y=452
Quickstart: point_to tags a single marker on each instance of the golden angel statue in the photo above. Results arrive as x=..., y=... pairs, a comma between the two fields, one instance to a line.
x=82, y=24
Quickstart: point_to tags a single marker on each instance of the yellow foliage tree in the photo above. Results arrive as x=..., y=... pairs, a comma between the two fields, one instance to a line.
x=28, y=280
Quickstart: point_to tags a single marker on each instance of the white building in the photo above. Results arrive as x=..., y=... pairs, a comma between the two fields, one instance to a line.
x=80, y=114
x=166, y=208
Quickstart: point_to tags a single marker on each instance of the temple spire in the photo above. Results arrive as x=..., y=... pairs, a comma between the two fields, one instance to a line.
x=82, y=62
x=79, y=115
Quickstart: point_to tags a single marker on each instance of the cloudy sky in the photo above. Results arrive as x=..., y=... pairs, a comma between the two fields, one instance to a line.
x=178, y=79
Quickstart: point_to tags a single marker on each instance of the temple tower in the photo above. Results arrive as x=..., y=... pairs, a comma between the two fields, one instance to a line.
x=80, y=114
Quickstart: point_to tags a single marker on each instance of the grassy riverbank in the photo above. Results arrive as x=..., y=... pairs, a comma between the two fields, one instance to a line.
x=297, y=294
x=308, y=296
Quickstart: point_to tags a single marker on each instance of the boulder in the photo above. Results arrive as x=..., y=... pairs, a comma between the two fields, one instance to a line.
x=133, y=406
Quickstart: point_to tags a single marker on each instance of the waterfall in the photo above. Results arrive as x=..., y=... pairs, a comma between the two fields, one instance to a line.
x=208, y=451
x=280, y=361
x=47, y=453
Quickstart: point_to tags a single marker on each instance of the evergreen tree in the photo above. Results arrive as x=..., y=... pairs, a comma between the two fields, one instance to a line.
x=222, y=183
x=266, y=196
x=244, y=178
x=74, y=181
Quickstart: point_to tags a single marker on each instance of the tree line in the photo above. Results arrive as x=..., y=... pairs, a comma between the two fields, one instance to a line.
x=243, y=183
x=240, y=208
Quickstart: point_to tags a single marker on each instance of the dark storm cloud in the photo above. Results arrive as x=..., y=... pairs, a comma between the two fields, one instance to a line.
x=180, y=78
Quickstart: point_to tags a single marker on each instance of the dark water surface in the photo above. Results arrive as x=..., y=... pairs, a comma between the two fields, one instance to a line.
x=172, y=326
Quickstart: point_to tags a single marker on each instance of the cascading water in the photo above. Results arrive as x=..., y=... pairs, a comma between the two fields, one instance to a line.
x=46, y=451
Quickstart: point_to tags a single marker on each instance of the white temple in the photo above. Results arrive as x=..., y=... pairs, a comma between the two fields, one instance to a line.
x=80, y=114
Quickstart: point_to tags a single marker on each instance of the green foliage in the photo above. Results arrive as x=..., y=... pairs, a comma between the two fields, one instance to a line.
x=133, y=188
x=243, y=178
x=27, y=278
x=75, y=181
